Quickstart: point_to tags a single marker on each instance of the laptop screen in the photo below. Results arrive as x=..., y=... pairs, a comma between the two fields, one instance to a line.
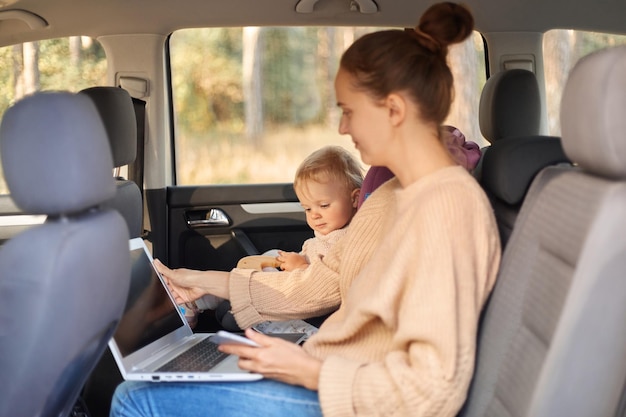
x=149, y=313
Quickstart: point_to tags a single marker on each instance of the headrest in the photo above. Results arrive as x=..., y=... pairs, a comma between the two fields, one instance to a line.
x=55, y=154
x=118, y=115
x=510, y=165
x=510, y=105
x=593, y=113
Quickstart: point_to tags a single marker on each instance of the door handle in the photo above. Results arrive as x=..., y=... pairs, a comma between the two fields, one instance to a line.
x=213, y=218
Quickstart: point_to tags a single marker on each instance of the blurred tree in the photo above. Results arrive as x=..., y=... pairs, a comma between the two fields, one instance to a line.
x=252, y=85
x=467, y=64
x=206, y=80
x=55, y=64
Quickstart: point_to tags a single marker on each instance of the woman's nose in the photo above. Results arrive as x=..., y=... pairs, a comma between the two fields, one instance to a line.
x=343, y=127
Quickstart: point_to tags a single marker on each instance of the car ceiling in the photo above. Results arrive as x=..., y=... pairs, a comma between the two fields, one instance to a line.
x=56, y=18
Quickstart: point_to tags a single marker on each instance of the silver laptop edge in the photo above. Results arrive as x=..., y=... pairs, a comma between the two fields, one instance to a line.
x=140, y=364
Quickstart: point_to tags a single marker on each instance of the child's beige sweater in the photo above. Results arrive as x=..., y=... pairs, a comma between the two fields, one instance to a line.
x=410, y=278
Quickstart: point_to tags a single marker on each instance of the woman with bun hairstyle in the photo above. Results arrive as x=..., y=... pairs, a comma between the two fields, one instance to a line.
x=406, y=283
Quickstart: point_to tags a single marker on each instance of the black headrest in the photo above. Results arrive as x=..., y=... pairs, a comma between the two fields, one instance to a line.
x=510, y=105
x=510, y=165
x=116, y=109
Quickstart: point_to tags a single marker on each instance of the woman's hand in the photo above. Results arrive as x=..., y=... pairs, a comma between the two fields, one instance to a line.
x=291, y=260
x=277, y=359
x=188, y=285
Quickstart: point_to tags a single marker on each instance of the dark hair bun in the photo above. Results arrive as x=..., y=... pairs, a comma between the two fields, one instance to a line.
x=443, y=24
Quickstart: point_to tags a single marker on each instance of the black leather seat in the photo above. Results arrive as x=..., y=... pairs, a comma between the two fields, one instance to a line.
x=510, y=117
x=118, y=115
x=509, y=168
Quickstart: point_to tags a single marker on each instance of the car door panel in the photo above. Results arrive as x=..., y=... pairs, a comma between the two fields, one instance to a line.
x=212, y=227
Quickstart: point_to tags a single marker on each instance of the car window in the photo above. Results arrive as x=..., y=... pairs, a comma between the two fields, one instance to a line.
x=58, y=64
x=250, y=103
x=561, y=50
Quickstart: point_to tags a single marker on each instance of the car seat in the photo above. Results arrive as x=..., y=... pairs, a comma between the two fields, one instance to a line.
x=116, y=109
x=510, y=108
x=63, y=284
x=552, y=340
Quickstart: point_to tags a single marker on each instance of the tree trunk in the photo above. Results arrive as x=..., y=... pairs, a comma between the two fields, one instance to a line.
x=31, y=67
x=75, y=48
x=464, y=111
x=18, y=79
x=560, y=45
x=252, y=91
x=327, y=70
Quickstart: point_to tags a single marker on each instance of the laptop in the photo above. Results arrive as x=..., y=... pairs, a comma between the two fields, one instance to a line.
x=153, y=335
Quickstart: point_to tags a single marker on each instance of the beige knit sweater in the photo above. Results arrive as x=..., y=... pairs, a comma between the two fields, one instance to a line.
x=320, y=245
x=410, y=277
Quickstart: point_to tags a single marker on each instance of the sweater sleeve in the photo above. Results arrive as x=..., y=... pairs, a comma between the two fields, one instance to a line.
x=416, y=313
x=302, y=293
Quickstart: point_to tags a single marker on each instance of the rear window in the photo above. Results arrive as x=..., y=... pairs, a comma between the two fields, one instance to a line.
x=58, y=64
x=251, y=103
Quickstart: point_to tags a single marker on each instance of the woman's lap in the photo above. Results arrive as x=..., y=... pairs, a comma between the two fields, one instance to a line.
x=262, y=398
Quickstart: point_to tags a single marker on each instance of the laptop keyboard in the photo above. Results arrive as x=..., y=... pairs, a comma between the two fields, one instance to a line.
x=199, y=358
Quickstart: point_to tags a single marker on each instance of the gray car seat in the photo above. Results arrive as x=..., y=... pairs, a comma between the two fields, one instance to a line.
x=510, y=116
x=63, y=284
x=552, y=340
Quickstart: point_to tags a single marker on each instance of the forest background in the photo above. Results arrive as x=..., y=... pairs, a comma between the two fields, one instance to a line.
x=250, y=103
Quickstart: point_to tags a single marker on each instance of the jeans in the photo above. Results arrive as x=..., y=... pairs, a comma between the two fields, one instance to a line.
x=237, y=399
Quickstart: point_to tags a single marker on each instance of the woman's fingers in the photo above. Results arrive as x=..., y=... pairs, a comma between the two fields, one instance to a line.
x=260, y=338
x=277, y=359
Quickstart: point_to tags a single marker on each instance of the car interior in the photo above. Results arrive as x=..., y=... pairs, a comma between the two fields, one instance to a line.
x=199, y=113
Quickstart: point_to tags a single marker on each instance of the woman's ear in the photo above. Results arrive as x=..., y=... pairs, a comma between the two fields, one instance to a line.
x=355, y=197
x=396, y=104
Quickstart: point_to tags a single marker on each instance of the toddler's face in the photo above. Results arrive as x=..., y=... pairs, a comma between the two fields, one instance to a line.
x=328, y=206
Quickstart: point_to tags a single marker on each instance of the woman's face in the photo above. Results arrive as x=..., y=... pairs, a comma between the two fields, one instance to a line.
x=365, y=120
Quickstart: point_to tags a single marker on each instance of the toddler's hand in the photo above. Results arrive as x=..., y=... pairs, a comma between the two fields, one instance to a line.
x=291, y=260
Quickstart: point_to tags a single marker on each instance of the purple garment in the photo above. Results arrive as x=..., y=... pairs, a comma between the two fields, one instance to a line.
x=467, y=154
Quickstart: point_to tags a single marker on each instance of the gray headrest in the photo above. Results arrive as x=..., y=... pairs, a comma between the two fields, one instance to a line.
x=55, y=154
x=118, y=115
x=510, y=165
x=593, y=113
x=510, y=105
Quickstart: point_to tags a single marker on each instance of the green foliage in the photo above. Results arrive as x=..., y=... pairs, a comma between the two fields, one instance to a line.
x=290, y=83
x=208, y=86
x=206, y=79
x=588, y=42
x=57, y=70
x=6, y=79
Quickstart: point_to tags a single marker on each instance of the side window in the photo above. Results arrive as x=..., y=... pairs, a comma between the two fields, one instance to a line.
x=561, y=50
x=250, y=103
x=58, y=64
